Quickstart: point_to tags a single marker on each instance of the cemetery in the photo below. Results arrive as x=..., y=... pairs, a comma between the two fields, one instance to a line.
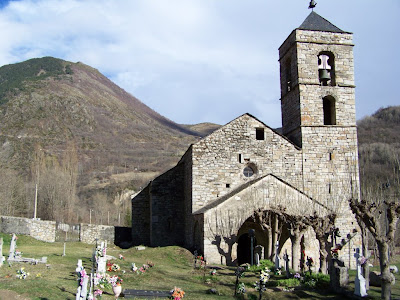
x=74, y=269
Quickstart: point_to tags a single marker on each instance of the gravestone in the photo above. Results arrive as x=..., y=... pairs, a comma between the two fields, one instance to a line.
x=101, y=258
x=286, y=259
x=13, y=246
x=148, y=294
x=83, y=280
x=277, y=259
x=15, y=256
x=257, y=259
x=359, y=283
x=258, y=250
x=2, y=258
x=339, y=275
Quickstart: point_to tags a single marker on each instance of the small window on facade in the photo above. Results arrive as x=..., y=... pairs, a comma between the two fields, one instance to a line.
x=329, y=188
x=228, y=185
x=330, y=156
x=260, y=134
x=329, y=108
x=248, y=171
x=240, y=158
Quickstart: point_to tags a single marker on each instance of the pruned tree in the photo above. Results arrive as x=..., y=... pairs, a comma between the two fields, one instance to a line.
x=324, y=228
x=296, y=226
x=379, y=212
x=370, y=212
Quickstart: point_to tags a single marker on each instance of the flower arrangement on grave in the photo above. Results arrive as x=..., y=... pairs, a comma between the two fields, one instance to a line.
x=17, y=254
x=297, y=276
x=22, y=274
x=150, y=264
x=264, y=277
x=335, y=253
x=115, y=280
x=302, y=259
x=98, y=293
x=239, y=273
x=141, y=270
x=177, y=293
x=134, y=268
x=121, y=257
x=100, y=251
x=103, y=281
x=241, y=288
x=310, y=262
x=201, y=259
x=112, y=267
x=278, y=271
x=213, y=272
x=82, y=276
x=363, y=260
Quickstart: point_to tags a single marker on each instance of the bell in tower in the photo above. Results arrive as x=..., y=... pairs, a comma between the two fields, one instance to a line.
x=324, y=69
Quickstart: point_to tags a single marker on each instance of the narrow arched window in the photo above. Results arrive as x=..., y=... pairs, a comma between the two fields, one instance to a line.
x=329, y=108
x=288, y=69
x=326, y=68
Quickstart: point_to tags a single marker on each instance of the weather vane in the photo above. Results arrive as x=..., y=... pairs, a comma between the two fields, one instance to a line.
x=312, y=4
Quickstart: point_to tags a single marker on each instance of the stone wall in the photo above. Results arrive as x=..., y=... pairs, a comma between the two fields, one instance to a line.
x=220, y=158
x=47, y=230
x=40, y=230
x=90, y=232
x=158, y=211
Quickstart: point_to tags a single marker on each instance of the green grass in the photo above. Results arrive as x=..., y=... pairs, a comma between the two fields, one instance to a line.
x=173, y=266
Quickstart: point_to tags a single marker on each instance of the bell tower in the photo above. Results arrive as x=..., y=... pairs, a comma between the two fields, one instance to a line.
x=318, y=115
x=317, y=78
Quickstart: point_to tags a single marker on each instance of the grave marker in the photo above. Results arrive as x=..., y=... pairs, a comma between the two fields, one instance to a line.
x=277, y=259
x=286, y=259
x=2, y=258
x=359, y=282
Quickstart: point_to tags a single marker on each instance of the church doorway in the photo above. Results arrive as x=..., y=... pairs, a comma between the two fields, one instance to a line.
x=244, y=248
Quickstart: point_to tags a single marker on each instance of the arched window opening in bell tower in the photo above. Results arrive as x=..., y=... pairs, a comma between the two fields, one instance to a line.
x=326, y=68
x=329, y=108
x=288, y=75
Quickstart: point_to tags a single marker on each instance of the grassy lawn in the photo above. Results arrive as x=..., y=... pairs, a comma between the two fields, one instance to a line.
x=173, y=266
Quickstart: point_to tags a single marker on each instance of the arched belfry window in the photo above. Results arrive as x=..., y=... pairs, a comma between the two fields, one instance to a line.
x=326, y=68
x=288, y=75
x=329, y=108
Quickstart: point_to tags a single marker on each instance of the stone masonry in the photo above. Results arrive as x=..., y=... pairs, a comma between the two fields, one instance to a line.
x=205, y=202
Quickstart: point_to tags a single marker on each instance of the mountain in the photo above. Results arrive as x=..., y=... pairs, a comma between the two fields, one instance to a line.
x=53, y=106
x=379, y=148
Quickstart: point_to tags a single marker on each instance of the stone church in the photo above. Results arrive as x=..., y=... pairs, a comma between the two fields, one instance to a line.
x=206, y=202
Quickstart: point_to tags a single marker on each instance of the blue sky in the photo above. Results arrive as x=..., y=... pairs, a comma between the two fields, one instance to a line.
x=201, y=60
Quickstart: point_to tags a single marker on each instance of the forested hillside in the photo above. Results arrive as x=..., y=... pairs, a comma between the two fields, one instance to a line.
x=83, y=141
x=379, y=149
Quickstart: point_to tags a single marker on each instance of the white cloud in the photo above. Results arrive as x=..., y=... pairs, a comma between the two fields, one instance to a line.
x=195, y=59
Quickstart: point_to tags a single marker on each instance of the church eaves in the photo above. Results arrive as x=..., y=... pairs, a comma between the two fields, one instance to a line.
x=315, y=22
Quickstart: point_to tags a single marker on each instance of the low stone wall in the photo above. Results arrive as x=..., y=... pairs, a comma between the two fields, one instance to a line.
x=90, y=232
x=47, y=230
x=40, y=230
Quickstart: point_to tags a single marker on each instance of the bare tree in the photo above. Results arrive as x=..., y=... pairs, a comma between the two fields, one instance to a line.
x=324, y=227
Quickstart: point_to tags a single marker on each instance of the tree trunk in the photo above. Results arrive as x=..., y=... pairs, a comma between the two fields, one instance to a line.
x=270, y=245
x=274, y=236
x=364, y=232
x=322, y=260
x=296, y=249
x=386, y=279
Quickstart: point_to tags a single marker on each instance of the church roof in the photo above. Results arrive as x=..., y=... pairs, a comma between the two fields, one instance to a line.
x=317, y=23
